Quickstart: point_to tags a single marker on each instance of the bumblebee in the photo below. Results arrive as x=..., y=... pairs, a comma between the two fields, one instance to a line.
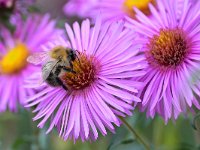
x=61, y=59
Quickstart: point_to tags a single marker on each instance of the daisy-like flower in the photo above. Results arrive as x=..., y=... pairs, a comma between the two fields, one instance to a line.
x=14, y=50
x=102, y=87
x=172, y=52
x=110, y=9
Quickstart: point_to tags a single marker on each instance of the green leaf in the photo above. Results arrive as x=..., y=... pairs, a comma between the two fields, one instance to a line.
x=128, y=141
x=33, y=9
x=18, y=143
x=186, y=146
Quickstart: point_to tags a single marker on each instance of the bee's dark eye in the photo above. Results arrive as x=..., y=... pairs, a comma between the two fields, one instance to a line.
x=72, y=55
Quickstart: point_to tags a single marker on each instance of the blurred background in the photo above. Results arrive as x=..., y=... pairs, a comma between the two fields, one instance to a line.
x=19, y=132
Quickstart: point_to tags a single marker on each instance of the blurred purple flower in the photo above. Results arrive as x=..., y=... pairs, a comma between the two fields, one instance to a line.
x=100, y=91
x=12, y=11
x=17, y=5
x=14, y=49
x=20, y=10
x=79, y=7
x=173, y=53
x=6, y=3
x=109, y=9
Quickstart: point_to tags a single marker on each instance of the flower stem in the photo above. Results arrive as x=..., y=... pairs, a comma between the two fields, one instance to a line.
x=135, y=134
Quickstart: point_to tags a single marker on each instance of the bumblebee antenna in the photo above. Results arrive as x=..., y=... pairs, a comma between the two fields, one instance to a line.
x=78, y=52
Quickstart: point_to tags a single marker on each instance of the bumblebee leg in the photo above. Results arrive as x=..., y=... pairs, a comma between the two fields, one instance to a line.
x=71, y=65
x=57, y=72
x=78, y=58
x=61, y=83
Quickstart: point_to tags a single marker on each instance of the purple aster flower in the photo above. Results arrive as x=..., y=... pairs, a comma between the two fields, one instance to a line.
x=14, y=50
x=110, y=9
x=170, y=44
x=102, y=87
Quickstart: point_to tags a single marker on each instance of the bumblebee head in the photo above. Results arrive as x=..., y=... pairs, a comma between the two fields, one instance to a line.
x=72, y=55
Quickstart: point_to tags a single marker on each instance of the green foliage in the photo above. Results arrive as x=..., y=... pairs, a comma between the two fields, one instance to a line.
x=19, y=132
x=123, y=142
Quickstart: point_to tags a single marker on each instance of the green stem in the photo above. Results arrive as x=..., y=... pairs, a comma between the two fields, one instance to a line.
x=135, y=134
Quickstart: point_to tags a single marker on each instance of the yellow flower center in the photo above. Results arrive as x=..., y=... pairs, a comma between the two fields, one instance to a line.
x=169, y=48
x=86, y=68
x=15, y=60
x=137, y=3
x=140, y=4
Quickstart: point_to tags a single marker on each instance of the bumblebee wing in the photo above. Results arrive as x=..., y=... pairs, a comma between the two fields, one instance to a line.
x=38, y=58
x=47, y=68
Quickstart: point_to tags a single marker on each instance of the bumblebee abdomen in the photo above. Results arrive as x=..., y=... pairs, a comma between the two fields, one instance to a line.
x=52, y=80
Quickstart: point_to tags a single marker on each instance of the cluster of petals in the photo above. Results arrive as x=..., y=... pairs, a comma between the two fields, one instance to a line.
x=150, y=60
x=110, y=10
x=80, y=114
x=31, y=36
x=170, y=90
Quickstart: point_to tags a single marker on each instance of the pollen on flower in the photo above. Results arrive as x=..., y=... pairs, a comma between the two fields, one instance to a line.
x=15, y=60
x=140, y=4
x=86, y=68
x=169, y=48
